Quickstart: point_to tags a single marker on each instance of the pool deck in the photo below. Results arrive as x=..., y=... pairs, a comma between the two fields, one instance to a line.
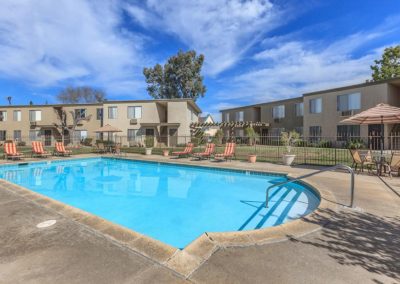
x=337, y=245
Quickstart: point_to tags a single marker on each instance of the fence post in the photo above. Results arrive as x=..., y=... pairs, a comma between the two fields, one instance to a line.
x=335, y=155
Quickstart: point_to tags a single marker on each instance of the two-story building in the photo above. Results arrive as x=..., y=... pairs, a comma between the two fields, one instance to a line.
x=318, y=115
x=167, y=120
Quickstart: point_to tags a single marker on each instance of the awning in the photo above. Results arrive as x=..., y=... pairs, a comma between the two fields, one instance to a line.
x=108, y=129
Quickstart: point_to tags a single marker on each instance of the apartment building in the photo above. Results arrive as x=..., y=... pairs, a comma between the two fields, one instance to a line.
x=318, y=114
x=166, y=120
x=276, y=117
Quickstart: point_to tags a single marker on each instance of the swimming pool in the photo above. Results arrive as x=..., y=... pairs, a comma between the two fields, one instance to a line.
x=171, y=203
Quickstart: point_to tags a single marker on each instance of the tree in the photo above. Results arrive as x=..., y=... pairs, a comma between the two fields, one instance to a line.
x=62, y=124
x=9, y=100
x=74, y=95
x=388, y=66
x=179, y=78
x=252, y=134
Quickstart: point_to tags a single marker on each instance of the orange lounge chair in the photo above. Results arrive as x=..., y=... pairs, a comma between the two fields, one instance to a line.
x=60, y=150
x=185, y=153
x=210, y=148
x=10, y=151
x=229, y=152
x=37, y=149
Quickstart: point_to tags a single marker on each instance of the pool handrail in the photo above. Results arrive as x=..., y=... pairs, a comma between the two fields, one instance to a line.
x=338, y=166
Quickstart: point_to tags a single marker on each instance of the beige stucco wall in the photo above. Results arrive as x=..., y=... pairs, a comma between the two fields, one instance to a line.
x=330, y=117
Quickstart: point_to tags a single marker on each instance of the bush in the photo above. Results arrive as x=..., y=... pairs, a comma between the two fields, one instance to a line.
x=149, y=141
x=87, y=141
x=325, y=144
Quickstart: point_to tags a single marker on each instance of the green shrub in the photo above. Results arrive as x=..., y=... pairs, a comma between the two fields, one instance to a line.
x=149, y=141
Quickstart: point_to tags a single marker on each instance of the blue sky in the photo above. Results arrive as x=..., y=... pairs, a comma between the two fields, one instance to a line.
x=255, y=51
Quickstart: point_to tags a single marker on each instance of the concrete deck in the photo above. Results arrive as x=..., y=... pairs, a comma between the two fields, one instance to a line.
x=358, y=245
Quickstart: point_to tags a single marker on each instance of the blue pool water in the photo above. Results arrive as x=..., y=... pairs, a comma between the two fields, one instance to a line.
x=172, y=203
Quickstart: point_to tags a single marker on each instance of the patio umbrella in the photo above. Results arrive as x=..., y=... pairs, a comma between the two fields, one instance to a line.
x=108, y=129
x=380, y=114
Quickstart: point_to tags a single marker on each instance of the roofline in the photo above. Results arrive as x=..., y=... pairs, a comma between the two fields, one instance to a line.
x=360, y=85
x=190, y=101
x=261, y=104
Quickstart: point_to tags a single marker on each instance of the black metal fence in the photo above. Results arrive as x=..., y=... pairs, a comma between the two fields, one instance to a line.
x=309, y=151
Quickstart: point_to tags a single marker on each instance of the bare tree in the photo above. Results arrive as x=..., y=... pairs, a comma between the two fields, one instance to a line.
x=62, y=123
x=74, y=95
x=9, y=100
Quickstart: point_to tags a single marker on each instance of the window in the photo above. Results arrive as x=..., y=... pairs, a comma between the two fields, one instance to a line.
x=34, y=135
x=348, y=132
x=99, y=113
x=227, y=117
x=315, y=131
x=239, y=116
x=80, y=135
x=134, y=112
x=3, y=115
x=80, y=113
x=112, y=112
x=299, y=109
x=17, y=115
x=278, y=111
x=17, y=135
x=316, y=105
x=132, y=134
x=3, y=135
x=349, y=102
x=35, y=115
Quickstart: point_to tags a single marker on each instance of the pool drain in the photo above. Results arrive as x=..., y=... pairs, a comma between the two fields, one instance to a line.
x=46, y=224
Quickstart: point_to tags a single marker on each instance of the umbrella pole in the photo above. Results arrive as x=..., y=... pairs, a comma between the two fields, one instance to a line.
x=382, y=128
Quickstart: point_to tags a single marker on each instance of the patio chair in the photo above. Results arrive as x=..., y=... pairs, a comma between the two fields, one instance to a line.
x=10, y=151
x=394, y=164
x=228, y=154
x=117, y=150
x=366, y=161
x=100, y=148
x=38, y=150
x=210, y=148
x=60, y=150
x=185, y=153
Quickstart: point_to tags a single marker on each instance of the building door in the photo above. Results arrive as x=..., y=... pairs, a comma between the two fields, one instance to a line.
x=173, y=137
x=149, y=132
x=374, y=137
x=47, y=137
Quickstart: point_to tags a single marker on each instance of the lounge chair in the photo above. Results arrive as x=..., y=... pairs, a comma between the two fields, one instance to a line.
x=185, y=153
x=210, y=148
x=394, y=164
x=117, y=150
x=10, y=151
x=366, y=161
x=228, y=154
x=38, y=150
x=60, y=150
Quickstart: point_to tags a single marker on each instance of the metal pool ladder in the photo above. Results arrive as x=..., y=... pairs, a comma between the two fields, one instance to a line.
x=339, y=166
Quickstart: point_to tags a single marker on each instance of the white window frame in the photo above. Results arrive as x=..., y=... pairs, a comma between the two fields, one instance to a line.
x=315, y=109
x=239, y=116
x=109, y=112
x=3, y=115
x=17, y=115
x=299, y=109
x=137, y=112
x=36, y=117
x=278, y=112
x=79, y=112
x=349, y=103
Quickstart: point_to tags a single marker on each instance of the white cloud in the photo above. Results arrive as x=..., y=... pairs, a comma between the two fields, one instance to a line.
x=295, y=67
x=222, y=30
x=51, y=43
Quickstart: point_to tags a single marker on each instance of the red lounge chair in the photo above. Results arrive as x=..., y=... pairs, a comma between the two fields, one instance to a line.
x=207, y=152
x=229, y=152
x=60, y=150
x=10, y=151
x=37, y=149
x=188, y=150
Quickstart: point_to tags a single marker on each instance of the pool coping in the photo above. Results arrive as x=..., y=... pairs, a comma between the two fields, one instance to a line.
x=185, y=261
